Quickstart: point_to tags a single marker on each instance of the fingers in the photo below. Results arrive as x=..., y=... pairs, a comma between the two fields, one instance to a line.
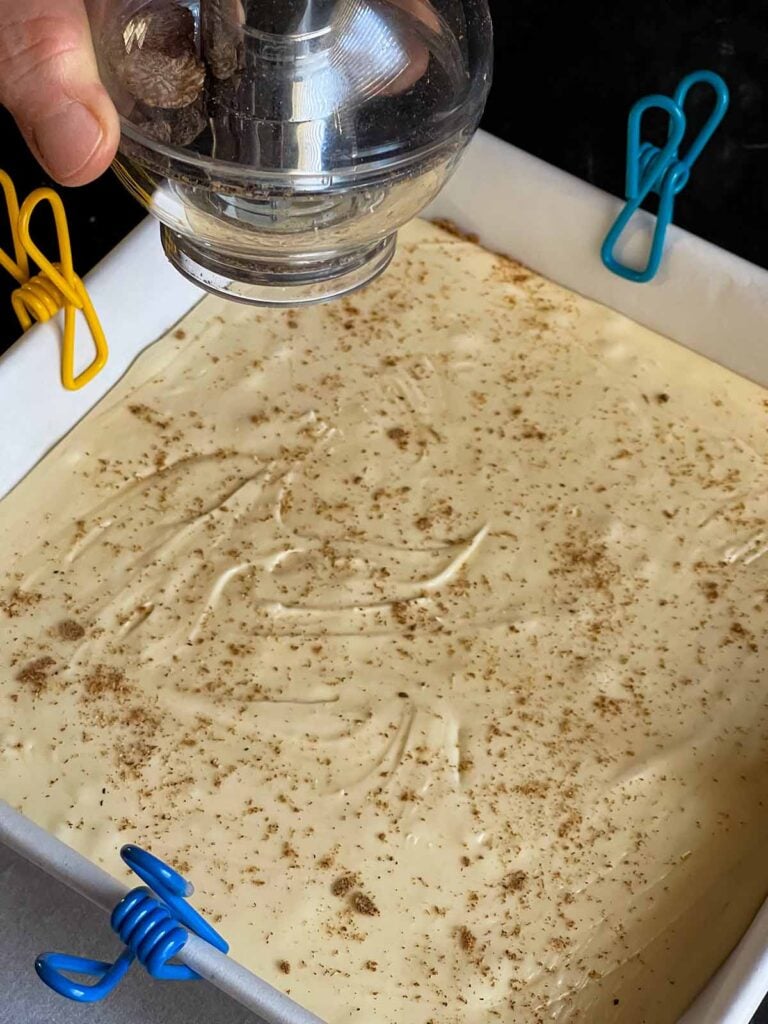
x=50, y=83
x=418, y=55
x=420, y=9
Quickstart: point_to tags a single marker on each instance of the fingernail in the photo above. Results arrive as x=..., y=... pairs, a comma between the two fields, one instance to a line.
x=67, y=140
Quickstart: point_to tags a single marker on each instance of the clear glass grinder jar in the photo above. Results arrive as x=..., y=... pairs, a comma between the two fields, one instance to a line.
x=282, y=143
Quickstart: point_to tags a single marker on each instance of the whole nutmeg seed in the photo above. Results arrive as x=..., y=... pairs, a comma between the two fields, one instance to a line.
x=167, y=28
x=161, y=81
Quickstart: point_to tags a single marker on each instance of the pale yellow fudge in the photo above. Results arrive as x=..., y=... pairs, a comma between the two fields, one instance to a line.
x=424, y=632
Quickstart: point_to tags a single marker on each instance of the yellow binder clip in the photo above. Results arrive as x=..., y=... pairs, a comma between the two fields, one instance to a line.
x=39, y=297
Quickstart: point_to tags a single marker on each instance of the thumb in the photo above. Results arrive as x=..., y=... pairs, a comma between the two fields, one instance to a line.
x=50, y=84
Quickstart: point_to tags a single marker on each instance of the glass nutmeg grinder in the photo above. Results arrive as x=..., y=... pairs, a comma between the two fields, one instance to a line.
x=282, y=143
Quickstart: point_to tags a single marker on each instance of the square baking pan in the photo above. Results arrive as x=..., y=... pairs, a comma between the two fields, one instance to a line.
x=704, y=298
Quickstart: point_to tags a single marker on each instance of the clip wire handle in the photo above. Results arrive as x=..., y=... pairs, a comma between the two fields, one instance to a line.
x=152, y=924
x=661, y=170
x=18, y=267
x=39, y=297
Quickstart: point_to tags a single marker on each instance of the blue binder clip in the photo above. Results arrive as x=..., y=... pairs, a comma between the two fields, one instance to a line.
x=664, y=171
x=151, y=924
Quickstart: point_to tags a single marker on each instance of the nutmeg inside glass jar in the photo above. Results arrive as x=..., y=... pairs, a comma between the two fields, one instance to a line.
x=282, y=143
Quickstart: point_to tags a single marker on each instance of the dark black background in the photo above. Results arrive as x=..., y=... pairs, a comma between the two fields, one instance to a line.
x=566, y=77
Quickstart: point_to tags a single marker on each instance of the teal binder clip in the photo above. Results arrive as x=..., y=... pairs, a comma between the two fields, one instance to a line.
x=661, y=170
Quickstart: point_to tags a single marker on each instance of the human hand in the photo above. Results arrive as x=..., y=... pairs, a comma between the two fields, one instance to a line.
x=418, y=55
x=50, y=84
